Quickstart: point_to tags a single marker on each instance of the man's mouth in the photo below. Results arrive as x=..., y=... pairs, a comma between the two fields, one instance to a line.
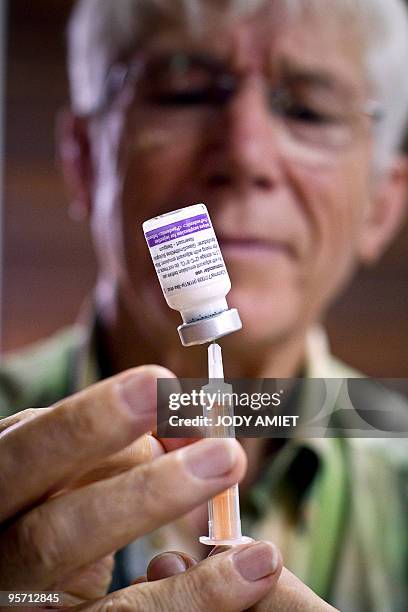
x=246, y=246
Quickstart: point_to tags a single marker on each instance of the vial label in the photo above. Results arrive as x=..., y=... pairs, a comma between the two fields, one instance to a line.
x=186, y=253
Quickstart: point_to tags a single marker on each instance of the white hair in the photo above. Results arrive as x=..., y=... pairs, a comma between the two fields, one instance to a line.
x=102, y=31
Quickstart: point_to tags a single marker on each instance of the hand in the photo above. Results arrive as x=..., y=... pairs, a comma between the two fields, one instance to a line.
x=289, y=594
x=74, y=490
x=231, y=581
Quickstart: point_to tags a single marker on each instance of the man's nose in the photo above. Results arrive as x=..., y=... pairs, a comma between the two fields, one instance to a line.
x=244, y=145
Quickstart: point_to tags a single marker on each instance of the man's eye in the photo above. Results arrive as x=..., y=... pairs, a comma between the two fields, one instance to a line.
x=182, y=97
x=183, y=86
x=306, y=114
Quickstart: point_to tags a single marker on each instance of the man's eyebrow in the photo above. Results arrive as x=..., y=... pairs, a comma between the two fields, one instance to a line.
x=162, y=59
x=317, y=78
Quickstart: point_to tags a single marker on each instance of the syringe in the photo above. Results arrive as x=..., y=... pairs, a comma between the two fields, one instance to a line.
x=224, y=520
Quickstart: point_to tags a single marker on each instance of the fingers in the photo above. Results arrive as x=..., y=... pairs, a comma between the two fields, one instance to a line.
x=24, y=415
x=292, y=595
x=141, y=450
x=89, y=582
x=217, y=550
x=72, y=530
x=231, y=581
x=168, y=564
x=51, y=448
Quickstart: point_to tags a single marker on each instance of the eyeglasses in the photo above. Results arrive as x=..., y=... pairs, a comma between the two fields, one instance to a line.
x=310, y=110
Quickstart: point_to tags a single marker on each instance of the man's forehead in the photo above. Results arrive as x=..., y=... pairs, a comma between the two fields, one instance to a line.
x=272, y=45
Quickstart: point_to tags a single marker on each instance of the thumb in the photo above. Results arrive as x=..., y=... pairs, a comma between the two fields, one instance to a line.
x=231, y=581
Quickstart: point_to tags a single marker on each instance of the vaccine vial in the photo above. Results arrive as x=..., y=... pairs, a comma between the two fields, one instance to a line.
x=192, y=273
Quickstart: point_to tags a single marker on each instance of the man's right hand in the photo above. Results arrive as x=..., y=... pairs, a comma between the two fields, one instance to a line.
x=77, y=483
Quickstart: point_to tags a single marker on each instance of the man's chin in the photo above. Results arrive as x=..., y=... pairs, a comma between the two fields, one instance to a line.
x=261, y=334
x=266, y=319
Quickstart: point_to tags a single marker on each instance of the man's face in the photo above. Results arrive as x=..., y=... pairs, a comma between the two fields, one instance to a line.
x=288, y=192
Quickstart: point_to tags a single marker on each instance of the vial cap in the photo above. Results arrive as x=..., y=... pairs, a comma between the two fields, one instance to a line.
x=210, y=328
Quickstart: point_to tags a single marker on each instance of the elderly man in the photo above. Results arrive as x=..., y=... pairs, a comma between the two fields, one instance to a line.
x=285, y=117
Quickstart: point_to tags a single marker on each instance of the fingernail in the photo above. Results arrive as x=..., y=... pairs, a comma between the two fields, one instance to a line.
x=210, y=458
x=257, y=561
x=166, y=565
x=138, y=392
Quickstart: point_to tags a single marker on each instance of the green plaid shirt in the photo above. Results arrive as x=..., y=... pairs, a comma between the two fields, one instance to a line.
x=336, y=507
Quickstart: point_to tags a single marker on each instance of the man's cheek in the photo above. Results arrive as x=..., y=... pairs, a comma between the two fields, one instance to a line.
x=332, y=197
x=158, y=180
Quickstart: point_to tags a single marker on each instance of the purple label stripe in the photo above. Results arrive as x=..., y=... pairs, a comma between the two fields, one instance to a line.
x=177, y=229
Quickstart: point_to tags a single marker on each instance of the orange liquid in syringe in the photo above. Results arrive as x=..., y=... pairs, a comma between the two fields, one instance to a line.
x=224, y=515
x=226, y=525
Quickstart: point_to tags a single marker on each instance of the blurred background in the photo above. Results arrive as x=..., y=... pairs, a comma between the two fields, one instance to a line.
x=47, y=263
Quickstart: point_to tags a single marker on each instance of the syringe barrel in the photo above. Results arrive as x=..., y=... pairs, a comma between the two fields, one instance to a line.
x=224, y=522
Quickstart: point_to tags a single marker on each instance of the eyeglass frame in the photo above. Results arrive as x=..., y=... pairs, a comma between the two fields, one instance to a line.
x=121, y=73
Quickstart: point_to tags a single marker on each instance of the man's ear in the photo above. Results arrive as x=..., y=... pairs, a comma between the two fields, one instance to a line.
x=74, y=158
x=386, y=212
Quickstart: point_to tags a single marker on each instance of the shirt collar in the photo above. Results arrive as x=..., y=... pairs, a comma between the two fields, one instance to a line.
x=296, y=465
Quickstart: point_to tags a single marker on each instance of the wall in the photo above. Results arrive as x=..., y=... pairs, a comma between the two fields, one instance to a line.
x=48, y=262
